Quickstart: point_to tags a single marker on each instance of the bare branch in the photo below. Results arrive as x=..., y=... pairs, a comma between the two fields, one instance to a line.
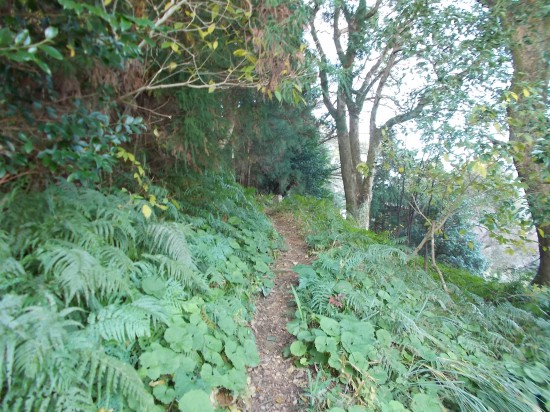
x=163, y=19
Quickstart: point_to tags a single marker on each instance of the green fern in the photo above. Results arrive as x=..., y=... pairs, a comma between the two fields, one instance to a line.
x=169, y=239
x=426, y=347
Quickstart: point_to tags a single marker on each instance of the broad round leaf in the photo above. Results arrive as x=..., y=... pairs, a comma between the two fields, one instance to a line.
x=298, y=348
x=195, y=401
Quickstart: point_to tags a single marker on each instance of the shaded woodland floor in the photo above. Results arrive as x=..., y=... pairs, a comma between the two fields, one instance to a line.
x=276, y=384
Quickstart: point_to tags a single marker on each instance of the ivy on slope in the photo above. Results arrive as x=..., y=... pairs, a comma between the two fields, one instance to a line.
x=384, y=337
x=103, y=309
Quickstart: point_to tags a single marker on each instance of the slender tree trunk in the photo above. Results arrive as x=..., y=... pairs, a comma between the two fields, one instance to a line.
x=410, y=221
x=434, y=262
x=426, y=257
x=355, y=151
x=346, y=161
x=368, y=181
x=528, y=23
x=543, y=274
x=401, y=196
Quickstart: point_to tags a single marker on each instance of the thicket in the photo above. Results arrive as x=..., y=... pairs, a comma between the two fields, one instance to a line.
x=80, y=79
x=382, y=335
x=106, y=307
x=278, y=148
x=405, y=194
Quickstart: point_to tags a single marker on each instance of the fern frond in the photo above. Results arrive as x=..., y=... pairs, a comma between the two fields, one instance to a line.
x=127, y=322
x=77, y=272
x=29, y=336
x=169, y=239
x=360, y=302
x=121, y=323
x=114, y=257
x=320, y=297
x=113, y=376
x=177, y=270
x=175, y=296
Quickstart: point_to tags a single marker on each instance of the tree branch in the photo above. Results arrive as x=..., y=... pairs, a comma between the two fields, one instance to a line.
x=163, y=19
x=378, y=96
x=323, y=77
x=336, y=34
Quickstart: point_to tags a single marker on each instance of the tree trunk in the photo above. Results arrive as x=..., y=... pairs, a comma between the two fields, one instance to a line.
x=543, y=274
x=346, y=162
x=368, y=181
x=401, y=196
x=355, y=152
x=529, y=26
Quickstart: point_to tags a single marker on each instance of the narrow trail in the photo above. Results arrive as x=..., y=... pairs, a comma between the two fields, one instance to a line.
x=276, y=383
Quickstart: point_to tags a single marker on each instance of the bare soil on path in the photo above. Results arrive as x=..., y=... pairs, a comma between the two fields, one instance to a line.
x=277, y=385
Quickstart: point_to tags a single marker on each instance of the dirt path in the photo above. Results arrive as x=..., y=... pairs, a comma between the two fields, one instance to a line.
x=276, y=383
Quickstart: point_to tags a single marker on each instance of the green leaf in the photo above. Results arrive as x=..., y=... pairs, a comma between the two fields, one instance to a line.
x=394, y=406
x=480, y=168
x=125, y=24
x=425, y=403
x=212, y=343
x=22, y=38
x=159, y=361
x=379, y=374
x=153, y=286
x=146, y=211
x=326, y=344
x=538, y=373
x=195, y=401
x=164, y=393
x=359, y=361
x=51, y=32
x=213, y=357
x=45, y=68
x=6, y=37
x=260, y=266
x=357, y=336
x=227, y=324
x=330, y=326
x=51, y=51
x=298, y=348
x=383, y=337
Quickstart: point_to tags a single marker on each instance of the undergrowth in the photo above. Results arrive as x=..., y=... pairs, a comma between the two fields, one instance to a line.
x=383, y=336
x=105, y=309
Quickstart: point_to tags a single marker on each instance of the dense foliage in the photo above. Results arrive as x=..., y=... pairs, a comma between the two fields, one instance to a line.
x=406, y=193
x=78, y=77
x=105, y=308
x=129, y=257
x=385, y=337
x=277, y=147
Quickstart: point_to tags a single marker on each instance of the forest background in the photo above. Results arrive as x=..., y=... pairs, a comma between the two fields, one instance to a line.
x=120, y=119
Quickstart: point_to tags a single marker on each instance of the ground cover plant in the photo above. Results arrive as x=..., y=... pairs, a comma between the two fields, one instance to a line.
x=382, y=335
x=111, y=303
